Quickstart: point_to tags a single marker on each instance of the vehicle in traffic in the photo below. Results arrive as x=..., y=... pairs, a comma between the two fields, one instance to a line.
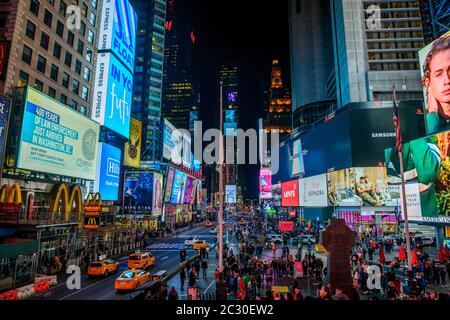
x=275, y=238
x=424, y=241
x=131, y=279
x=190, y=241
x=141, y=260
x=307, y=238
x=208, y=223
x=104, y=268
x=200, y=244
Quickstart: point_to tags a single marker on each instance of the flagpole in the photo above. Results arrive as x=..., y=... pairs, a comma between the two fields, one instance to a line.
x=402, y=175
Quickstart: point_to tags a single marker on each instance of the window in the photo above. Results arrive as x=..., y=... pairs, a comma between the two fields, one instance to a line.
x=78, y=66
x=91, y=37
x=51, y=92
x=52, y=2
x=57, y=50
x=87, y=74
x=27, y=54
x=41, y=63
x=74, y=104
x=23, y=78
x=31, y=29
x=82, y=29
x=80, y=47
x=54, y=71
x=3, y=16
x=38, y=85
x=34, y=7
x=45, y=39
x=63, y=98
x=65, y=80
x=83, y=110
x=60, y=29
x=89, y=55
x=68, y=59
x=62, y=8
x=94, y=4
x=48, y=18
x=84, y=10
x=92, y=18
x=70, y=38
x=85, y=93
x=75, y=86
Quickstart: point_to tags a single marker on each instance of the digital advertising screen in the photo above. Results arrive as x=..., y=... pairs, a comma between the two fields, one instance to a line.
x=172, y=143
x=435, y=91
x=132, y=156
x=230, y=116
x=118, y=30
x=265, y=184
x=289, y=193
x=297, y=158
x=427, y=183
x=157, y=194
x=230, y=194
x=176, y=186
x=276, y=195
x=230, y=128
x=188, y=192
x=138, y=191
x=113, y=91
x=313, y=191
x=180, y=198
x=169, y=185
x=108, y=173
x=56, y=139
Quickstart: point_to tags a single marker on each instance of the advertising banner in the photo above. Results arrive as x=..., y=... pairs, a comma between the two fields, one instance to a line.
x=180, y=198
x=157, y=194
x=435, y=91
x=176, y=186
x=118, y=30
x=297, y=158
x=138, y=191
x=427, y=170
x=5, y=107
x=186, y=152
x=230, y=194
x=289, y=193
x=265, y=184
x=56, y=139
x=132, y=157
x=372, y=128
x=188, y=192
x=361, y=187
x=169, y=185
x=276, y=195
x=230, y=116
x=172, y=143
x=286, y=226
x=92, y=222
x=230, y=128
x=113, y=92
x=108, y=172
x=313, y=191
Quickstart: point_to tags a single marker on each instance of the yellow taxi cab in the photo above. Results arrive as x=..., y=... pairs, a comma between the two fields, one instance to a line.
x=200, y=244
x=102, y=268
x=208, y=223
x=141, y=260
x=131, y=279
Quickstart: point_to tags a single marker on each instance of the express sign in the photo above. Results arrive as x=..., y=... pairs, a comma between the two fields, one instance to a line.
x=289, y=194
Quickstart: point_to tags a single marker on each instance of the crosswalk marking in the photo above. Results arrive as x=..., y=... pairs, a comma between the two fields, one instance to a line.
x=198, y=236
x=169, y=246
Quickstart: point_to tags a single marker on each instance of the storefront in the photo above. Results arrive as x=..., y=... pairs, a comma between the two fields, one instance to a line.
x=371, y=220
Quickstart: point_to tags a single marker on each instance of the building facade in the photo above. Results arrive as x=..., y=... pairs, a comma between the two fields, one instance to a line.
x=148, y=77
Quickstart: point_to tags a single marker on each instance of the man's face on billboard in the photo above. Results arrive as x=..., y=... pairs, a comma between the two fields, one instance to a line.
x=439, y=83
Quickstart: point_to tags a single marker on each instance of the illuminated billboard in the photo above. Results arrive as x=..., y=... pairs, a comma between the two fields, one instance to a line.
x=230, y=116
x=180, y=198
x=157, y=194
x=230, y=128
x=276, y=195
x=113, y=90
x=172, y=143
x=427, y=183
x=297, y=158
x=188, y=192
x=230, y=194
x=169, y=185
x=289, y=194
x=313, y=191
x=118, y=30
x=132, y=156
x=4, y=116
x=108, y=172
x=436, y=91
x=176, y=186
x=56, y=139
x=265, y=184
x=138, y=191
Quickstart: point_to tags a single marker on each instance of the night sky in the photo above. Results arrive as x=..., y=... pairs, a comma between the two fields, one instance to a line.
x=250, y=32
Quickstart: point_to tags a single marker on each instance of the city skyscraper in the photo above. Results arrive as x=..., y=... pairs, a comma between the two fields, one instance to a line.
x=312, y=67
x=278, y=109
x=148, y=77
x=372, y=53
x=45, y=54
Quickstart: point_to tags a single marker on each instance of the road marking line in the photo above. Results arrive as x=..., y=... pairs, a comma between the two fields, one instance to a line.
x=209, y=286
x=164, y=258
x=78, y=291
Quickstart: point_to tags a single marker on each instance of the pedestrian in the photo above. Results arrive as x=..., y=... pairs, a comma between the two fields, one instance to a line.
x=182, y=278
x=442, y=274
x=173, y=295
x=339, y=295
x=204, y=268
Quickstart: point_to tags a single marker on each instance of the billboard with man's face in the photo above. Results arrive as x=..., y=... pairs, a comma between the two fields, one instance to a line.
x=435, y=67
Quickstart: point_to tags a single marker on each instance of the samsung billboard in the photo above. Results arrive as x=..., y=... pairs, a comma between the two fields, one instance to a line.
x=112, y=95
x=56, y=139
x=118, y=30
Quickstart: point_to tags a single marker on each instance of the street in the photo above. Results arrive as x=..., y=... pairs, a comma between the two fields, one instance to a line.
x=167, y=257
